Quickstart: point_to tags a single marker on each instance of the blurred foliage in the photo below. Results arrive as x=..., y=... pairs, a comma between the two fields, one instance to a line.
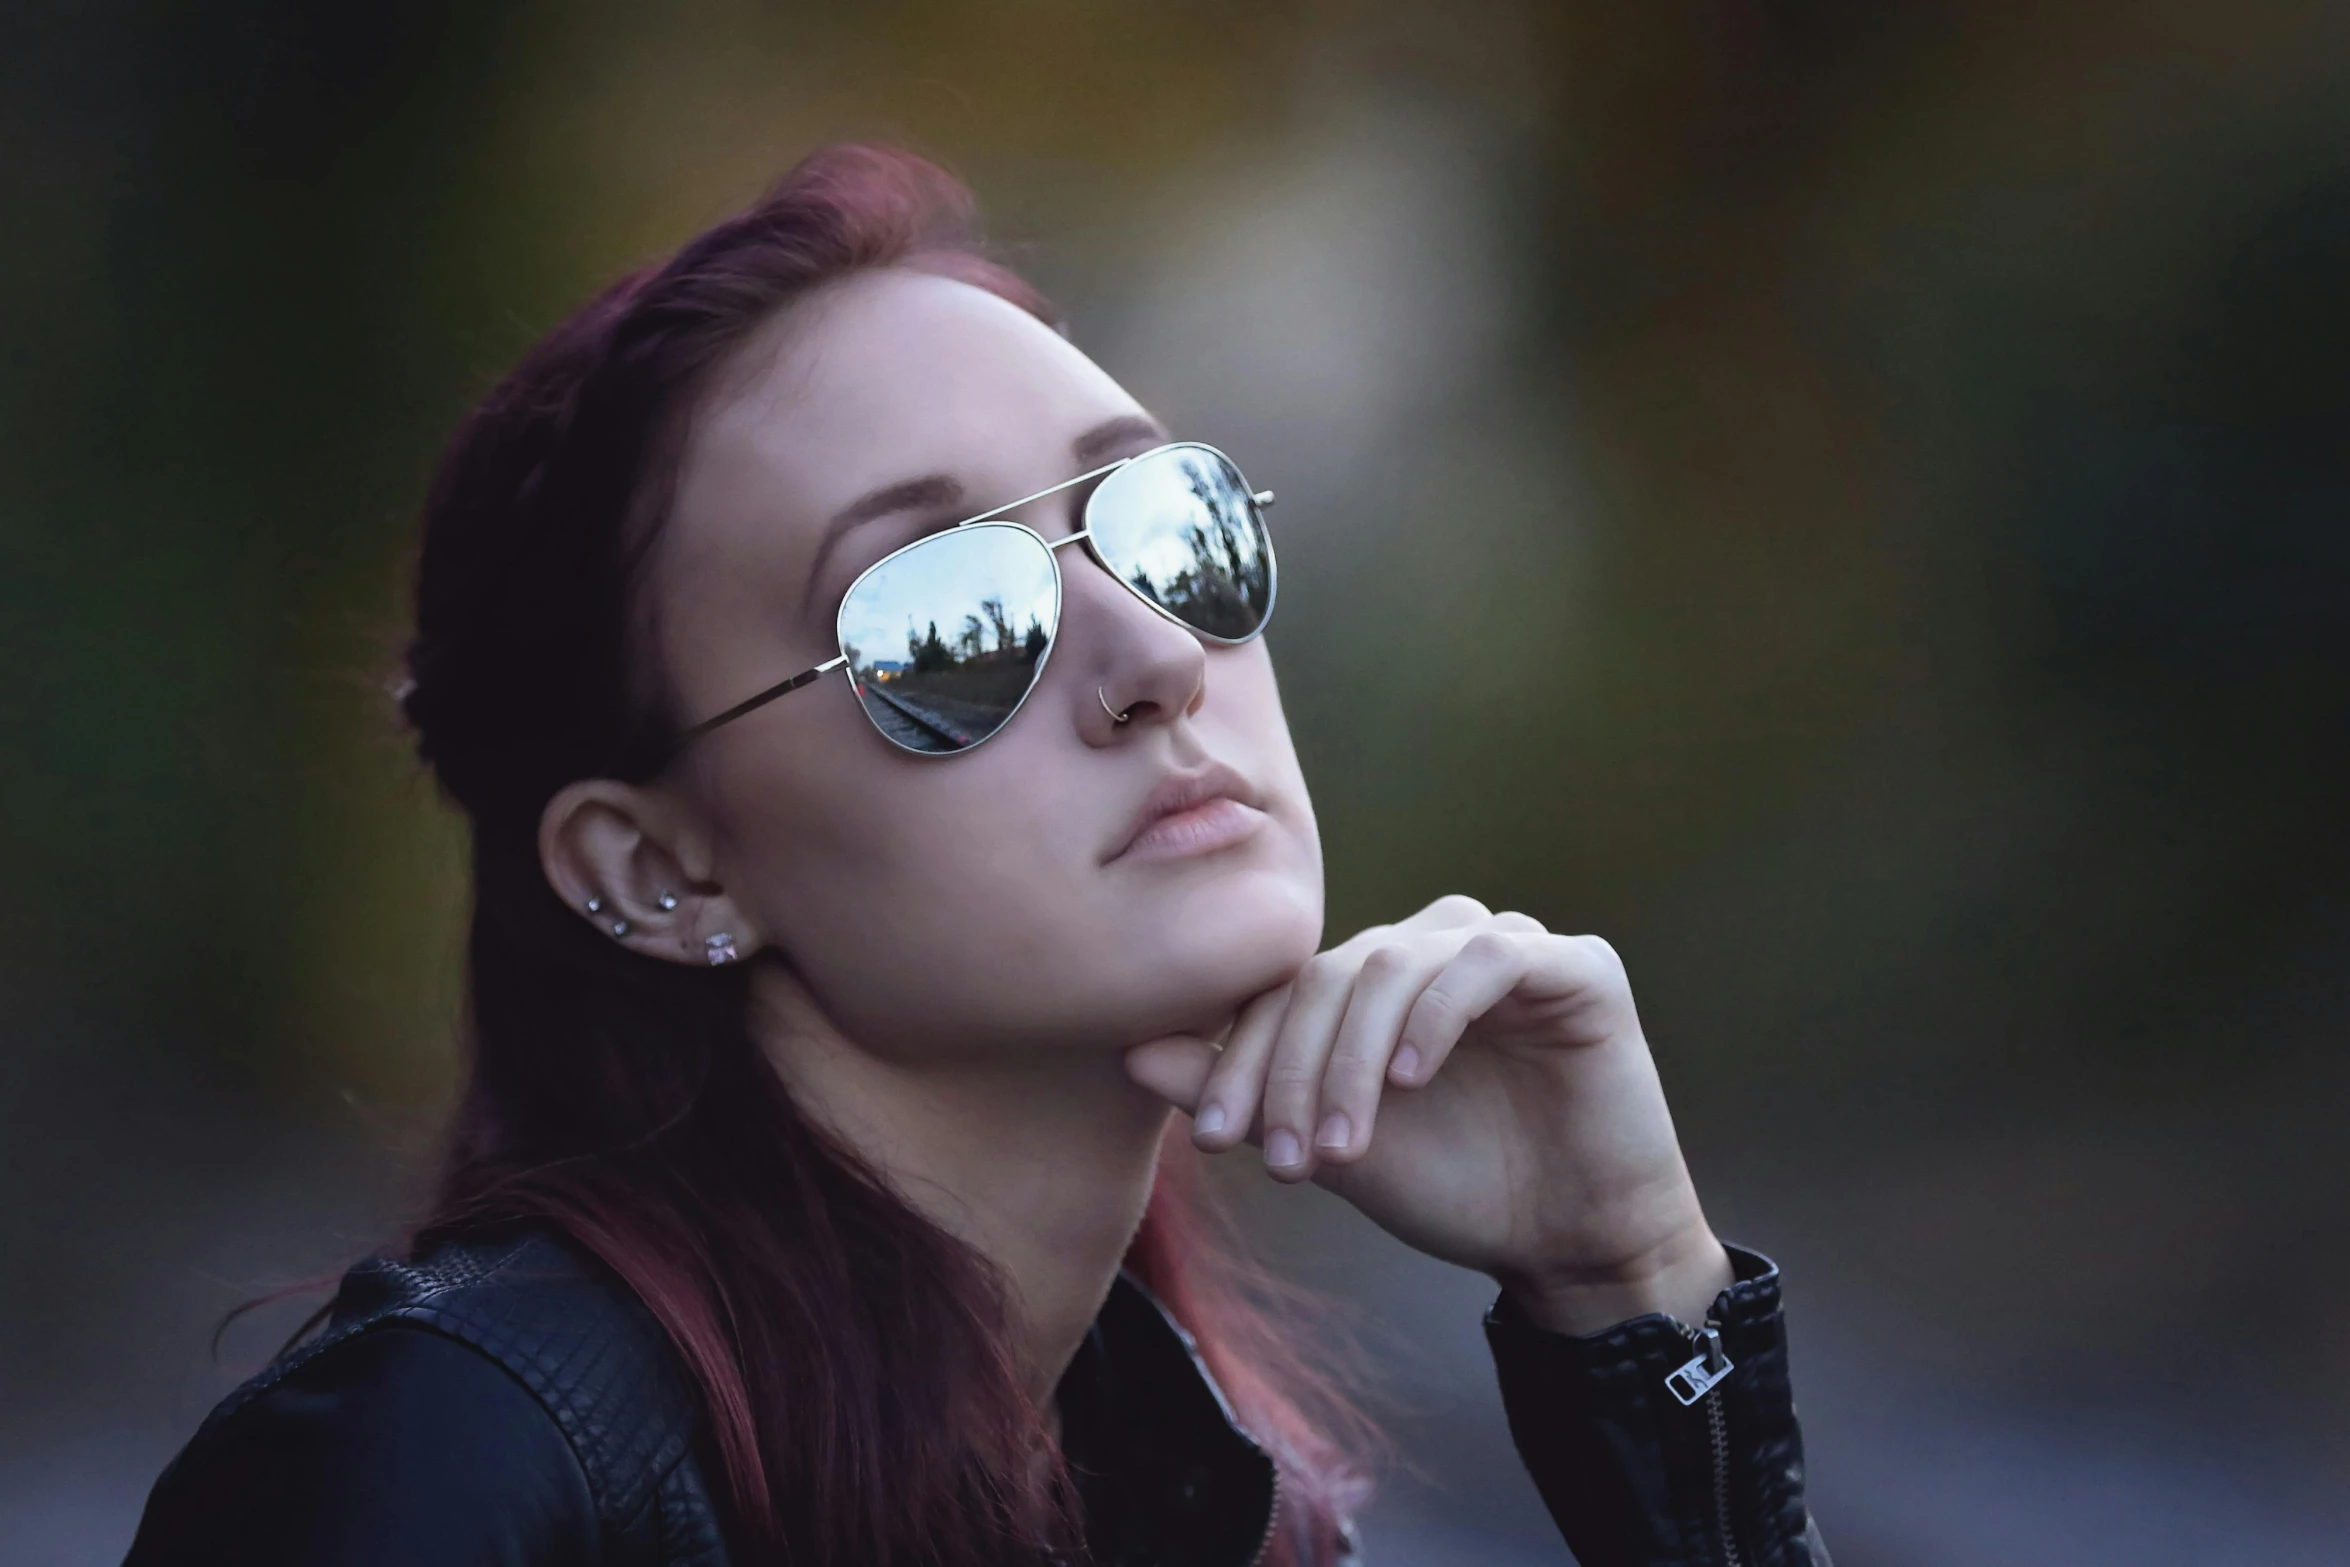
x=1847, y=500
x=1948, y=390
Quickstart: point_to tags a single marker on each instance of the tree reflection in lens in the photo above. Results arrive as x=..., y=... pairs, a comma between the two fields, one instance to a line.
x=946, y=637
x=1181, y=528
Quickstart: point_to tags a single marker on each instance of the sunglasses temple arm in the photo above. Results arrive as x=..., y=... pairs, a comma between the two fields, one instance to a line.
x=753, y=704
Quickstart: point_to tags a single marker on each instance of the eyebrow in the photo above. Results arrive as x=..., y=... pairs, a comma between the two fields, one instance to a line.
x=1108, y=437
x=937, y=491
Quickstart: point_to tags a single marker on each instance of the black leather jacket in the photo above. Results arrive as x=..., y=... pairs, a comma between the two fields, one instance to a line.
x=511, y=1402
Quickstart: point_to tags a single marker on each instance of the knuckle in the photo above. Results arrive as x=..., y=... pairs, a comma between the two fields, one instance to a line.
x=1386, y=962
x=1322, y=974
x=1433, y=1010
x=1519, y=924
x=1459, y=903
x=1488, y=946
x=1602, y=952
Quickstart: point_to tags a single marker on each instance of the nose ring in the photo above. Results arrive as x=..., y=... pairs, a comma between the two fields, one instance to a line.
x=1116, y=717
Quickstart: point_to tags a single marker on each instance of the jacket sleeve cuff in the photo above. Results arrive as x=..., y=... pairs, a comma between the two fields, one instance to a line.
x=1628, y=1471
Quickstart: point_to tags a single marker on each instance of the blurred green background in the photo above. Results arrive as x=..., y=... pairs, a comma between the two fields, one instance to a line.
x=1851, y=502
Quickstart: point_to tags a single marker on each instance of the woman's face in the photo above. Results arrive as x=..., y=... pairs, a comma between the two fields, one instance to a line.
x=1034, y=891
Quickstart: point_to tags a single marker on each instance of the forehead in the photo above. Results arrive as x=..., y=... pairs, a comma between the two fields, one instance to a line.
x=890, y=375
x=876, y=379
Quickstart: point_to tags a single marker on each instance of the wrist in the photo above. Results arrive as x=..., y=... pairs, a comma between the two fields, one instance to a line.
x=1679, y=1278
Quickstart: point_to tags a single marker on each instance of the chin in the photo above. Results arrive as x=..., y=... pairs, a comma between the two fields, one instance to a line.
x=1220, y=944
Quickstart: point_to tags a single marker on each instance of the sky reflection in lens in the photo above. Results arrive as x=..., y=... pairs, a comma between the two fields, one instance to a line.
x=1180, y=527
x=945, y=639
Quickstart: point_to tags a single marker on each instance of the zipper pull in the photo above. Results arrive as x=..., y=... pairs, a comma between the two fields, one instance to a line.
x=1704, y=1372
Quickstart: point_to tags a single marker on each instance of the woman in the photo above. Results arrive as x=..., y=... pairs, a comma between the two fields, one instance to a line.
x=855, y=893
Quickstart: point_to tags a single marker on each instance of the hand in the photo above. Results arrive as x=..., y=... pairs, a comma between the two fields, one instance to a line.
x=1481, y=1089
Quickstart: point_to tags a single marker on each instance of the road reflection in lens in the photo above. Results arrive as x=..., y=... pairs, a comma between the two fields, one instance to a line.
x=1179, y=525
x=945, y=638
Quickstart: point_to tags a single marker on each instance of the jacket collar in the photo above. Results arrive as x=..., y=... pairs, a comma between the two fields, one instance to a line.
x=1165, y=1470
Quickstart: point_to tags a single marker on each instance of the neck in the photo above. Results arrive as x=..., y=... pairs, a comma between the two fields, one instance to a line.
x=1042, y=1163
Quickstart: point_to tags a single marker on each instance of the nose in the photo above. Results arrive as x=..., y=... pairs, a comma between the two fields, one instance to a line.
x=1137, y=668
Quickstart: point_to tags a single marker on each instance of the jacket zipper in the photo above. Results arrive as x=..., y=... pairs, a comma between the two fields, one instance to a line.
x=1272, y=1523
x=1719, y=1424
x=1700, y=1381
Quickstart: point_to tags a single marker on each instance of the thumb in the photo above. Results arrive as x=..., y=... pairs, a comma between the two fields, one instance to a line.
x=1175, y=1068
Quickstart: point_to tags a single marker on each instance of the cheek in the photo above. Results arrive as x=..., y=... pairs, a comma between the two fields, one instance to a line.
x=922, y=901
x=960, y=904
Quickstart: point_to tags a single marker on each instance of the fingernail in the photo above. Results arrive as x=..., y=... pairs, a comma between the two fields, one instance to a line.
x=1335, y=1131
x=1282, y=1151
x=1209, y=1121
x=1406, y=1063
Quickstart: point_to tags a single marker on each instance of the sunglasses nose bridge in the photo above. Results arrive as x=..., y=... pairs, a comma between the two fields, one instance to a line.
x=1093, y=551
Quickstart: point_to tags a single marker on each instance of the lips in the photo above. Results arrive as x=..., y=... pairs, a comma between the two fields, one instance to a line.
x=1191, y=813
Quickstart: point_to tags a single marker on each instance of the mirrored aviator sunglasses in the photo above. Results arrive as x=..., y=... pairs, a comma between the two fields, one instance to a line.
x=945, y=639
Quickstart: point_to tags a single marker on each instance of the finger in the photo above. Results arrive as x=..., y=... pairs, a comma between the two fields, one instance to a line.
x=1175, y=1068
x=1228, y=1099
x=1391, y=980
x=1293, y=1078
x=1368, y=937
x=1449, y=912
x=1408, y=1066
x=1488, y=967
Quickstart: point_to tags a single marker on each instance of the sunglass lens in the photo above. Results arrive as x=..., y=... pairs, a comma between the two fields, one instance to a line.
x=946, y=638
x=1179, y=528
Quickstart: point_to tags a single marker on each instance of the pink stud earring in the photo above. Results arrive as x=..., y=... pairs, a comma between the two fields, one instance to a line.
x=719, y=949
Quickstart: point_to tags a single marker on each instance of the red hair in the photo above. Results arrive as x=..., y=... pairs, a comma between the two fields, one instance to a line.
x=852, y=1355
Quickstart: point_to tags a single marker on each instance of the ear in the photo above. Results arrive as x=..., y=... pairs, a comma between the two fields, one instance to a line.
x=631, y=850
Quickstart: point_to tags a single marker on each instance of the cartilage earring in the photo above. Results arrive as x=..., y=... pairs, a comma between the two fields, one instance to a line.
x=595, y=905
x=720, y=949
x=619, y=929
x=667, y=900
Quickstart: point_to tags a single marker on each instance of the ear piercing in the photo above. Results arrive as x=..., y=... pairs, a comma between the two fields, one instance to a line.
x=621, y=927
x=720, y=949
x=1116, y=717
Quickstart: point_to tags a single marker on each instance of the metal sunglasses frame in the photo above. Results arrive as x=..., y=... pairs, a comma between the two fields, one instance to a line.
x=994, y=518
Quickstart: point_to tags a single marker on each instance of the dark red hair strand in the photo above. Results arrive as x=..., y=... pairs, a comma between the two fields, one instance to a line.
x=851, y=1355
